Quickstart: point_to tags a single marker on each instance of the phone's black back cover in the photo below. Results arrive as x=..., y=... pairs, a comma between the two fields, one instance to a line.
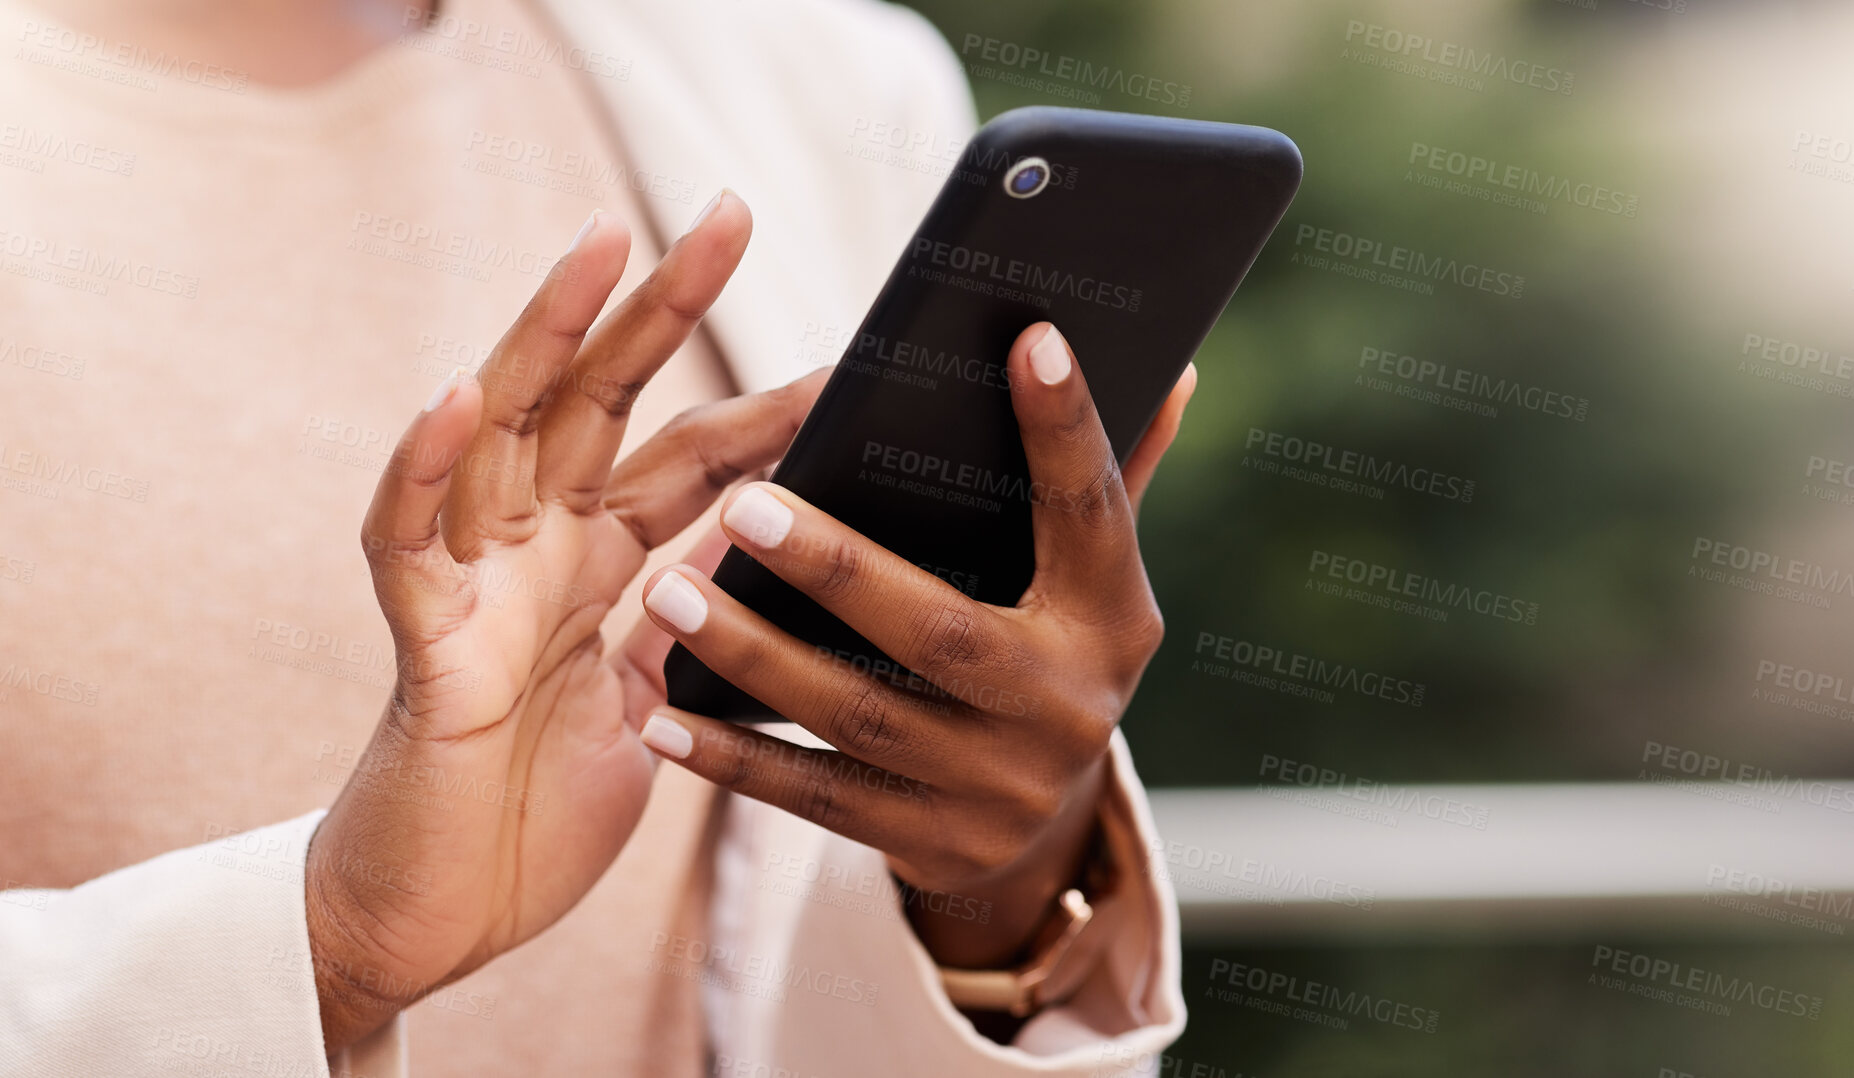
x=1133, y=251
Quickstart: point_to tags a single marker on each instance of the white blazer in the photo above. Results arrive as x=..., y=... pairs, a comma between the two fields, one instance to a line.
x=178, y=966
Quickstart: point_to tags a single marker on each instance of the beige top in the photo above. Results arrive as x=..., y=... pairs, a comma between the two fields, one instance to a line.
x=256, y=290
x=223, y=304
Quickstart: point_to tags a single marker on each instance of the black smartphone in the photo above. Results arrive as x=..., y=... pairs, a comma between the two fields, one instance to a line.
x=1130, y=233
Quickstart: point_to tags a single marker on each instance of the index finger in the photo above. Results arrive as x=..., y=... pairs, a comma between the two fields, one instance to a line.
x=583, y=422
x=1143, y=462
x=493, y=498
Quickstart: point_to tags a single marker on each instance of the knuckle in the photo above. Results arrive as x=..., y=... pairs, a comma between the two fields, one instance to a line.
x=1032, y=803
x=1095, y=502
x=696, y=430
x=969, y=845
x=717, y=470
x=1079, y=725
x=1011, y=830
x=613, y=396
x=989, y=854
x=1077, y=430
x=1092, y=721
x=1039, y=805
x=679, y=424
x=818, y=801
x=969, y=857
x=1097, y=735
x=964, y=863
x=839, y=570
x=542, y=315
x=514, y=419
x=862, y=720
x=1135, y=637
x=1148, y=630
x=951, y=641
x=662, y=291
x=693, y=424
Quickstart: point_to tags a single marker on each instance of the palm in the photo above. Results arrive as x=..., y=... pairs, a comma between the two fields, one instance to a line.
x=507, y=772
x=545, y=717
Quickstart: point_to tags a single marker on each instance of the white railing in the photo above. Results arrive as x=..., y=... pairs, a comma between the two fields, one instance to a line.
x=1510, y=860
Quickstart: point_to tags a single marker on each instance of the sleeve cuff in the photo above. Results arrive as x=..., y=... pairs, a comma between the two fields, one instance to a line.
x=1136, y=989
x=810, y=961
x=195, y=961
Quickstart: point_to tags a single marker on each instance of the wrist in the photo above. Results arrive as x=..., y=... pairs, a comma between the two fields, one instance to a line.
x=991, y=923
x=384, y=927
x=357, y=989
x=349, y=997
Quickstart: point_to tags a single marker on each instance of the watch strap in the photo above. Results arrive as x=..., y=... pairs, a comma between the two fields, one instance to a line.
x=1067, y=948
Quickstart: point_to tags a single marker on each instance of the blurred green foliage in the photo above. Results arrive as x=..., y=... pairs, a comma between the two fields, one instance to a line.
x=1523, y=1010
x=1594, y=520
x=1591, y=519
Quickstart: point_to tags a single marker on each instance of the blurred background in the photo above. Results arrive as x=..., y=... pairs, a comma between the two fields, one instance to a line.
x=1590, y=263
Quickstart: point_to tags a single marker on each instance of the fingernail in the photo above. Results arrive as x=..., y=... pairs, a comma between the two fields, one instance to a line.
x=708, y=209
x=678, y=602
x=1049, y=358
x=762, y=518
x=446, y=390
x=591, y=222
x=666, y=737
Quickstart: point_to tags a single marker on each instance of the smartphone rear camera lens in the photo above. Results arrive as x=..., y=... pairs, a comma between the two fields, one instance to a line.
x=1027, y=178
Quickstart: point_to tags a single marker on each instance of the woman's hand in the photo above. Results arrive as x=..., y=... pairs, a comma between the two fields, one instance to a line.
x=506, y=773
x=980, y=776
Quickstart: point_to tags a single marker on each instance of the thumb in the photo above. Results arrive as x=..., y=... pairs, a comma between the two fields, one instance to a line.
x=413, y=573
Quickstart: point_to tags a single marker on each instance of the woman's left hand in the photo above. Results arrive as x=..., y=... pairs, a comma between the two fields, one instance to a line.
x=985, y=786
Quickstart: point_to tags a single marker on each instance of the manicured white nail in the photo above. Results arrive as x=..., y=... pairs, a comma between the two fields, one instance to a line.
x=762, y=518
x=708, y=209
x=1049, y=358
x=446, y=390
x=678, y=602
x=666, y=737
x=591, y=223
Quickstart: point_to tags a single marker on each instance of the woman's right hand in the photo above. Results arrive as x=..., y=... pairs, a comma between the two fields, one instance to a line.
x=506, y=773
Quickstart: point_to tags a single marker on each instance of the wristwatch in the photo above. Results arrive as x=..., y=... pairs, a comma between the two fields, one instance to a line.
x=1064, y=951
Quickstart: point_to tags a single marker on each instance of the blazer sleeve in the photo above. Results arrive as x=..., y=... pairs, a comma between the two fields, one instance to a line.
x=195, y=962
x=813, y=969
